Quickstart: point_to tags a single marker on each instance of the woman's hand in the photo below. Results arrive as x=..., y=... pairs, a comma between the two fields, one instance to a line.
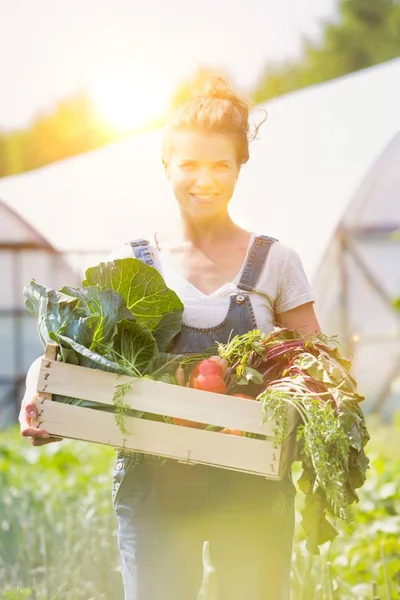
x=29, y=413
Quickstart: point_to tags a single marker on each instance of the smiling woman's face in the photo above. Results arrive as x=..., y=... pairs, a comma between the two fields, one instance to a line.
x=203, y=170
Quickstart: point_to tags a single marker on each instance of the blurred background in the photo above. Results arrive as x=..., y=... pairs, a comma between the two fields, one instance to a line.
x=84, y=87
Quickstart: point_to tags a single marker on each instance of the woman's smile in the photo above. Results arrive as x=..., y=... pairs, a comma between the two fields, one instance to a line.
x=203, y=198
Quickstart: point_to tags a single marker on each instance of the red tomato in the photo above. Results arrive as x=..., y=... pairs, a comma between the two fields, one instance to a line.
x=209, y=383
x=243, y=396
x=207, y=376
x=208, y=366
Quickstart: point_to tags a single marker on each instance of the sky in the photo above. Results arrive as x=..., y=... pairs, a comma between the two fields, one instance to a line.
x=139, y=49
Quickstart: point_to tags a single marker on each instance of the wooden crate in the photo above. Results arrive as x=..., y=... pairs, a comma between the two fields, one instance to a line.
x=185, y=444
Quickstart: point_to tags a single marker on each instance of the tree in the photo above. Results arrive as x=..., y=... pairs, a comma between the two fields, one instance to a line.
x=72, y=127
x=366, y=32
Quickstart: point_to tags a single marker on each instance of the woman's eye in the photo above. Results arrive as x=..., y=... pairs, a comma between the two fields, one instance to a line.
x=221, y=167
x=187, y=166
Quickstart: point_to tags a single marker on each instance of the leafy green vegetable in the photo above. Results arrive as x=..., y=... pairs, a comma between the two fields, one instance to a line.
x=90, y=359
x=135, y=343
x=120, y=320
x=87, y=315
x=107, y=309
x=144, y=291
x=311, y=375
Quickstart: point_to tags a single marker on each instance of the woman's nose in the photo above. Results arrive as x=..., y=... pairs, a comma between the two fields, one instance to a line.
x=204, y=178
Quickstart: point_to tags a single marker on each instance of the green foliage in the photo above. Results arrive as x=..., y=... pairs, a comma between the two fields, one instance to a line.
x=58, y=528
x=144, y=292
x=57, y=524
x=368, y=552
x=119, y=320
x=365, y=33
x=71, y=128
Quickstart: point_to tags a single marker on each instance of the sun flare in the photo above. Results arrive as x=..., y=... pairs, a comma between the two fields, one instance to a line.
x=127, y=102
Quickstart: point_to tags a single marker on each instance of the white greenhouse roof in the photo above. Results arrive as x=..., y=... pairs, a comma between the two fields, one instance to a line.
x=311, y=157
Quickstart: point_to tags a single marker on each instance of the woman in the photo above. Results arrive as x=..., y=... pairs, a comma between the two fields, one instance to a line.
x=230, y=281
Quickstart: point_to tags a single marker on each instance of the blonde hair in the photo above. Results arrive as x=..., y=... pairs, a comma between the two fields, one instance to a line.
x=206, y=102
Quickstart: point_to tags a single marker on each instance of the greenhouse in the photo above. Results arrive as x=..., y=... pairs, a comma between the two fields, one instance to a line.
x=323, y=177
x=23, y=251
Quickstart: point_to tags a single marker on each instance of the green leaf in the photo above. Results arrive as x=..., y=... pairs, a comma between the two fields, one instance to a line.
x=167, y=378
x=355, y=438
x=305, y=481
x=314, y=367
x=145, y=293
x=250, y=375
x=63, y=310
x=89, y=316
x=94, y=360
x=104, y=308
x=69, y=356
x=51, y=311
x=57, y=312
x=317, y=528
x=358, y=466
x=35, y=294
x=36, y=303
x=335, y=353
x=169, y=325
x=134, y=345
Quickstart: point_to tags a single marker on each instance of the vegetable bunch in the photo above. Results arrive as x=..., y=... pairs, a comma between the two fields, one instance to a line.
x=284, y=368
x=121, y=318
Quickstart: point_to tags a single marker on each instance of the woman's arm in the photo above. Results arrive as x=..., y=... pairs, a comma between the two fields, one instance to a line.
x=302, y=319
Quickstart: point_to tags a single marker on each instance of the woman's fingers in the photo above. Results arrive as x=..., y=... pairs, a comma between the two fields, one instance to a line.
x=31, y=410
x=38, y=437
x=28, y=414
x=34, y=432
x=37, y=441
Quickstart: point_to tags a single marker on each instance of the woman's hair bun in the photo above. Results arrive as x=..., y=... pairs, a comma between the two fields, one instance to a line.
x=216, y=87
x=204, y=83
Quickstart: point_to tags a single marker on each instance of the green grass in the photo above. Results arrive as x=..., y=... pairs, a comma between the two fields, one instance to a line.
x=368, y=556
x=58, y=527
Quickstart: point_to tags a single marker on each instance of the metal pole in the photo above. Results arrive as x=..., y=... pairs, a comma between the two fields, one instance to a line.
x=344, y=291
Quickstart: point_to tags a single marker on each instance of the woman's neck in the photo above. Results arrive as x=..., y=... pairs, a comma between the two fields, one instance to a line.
x=200, y=232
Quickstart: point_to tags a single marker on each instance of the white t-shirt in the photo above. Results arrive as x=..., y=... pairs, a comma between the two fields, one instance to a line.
x=282, y=285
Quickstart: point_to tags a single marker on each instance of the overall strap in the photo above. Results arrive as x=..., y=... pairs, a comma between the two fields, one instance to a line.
x=255, y=262
x=140, y=249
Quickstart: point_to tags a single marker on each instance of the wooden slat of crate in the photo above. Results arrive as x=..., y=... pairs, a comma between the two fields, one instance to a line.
x=155, y=397
x=194, y=445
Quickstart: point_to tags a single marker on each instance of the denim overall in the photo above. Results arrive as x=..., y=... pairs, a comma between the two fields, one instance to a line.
x=167, y=509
